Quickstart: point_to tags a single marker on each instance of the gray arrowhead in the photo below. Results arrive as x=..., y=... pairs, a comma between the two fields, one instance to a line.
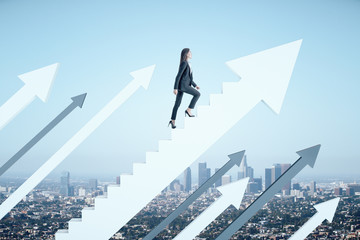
x=310, y=154
x=237, y=157
x=79, y=100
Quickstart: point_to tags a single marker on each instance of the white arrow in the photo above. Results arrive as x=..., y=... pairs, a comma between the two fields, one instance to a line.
x=188, y=144
x=141, y=78
x=37, y=83
x=325, y=210
x=231, y=194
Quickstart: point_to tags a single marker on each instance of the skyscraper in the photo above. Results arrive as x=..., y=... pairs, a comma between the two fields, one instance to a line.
x=286, y=189
x=243, y=168
x=275, y=172
x=312, y=187
x=187, y=180
x=225, y=179
x=259, y=183
x=203, y=173
x=250, y=173
x=65, y=183
x=267, y=177
x=118, y=180
x=93, y=184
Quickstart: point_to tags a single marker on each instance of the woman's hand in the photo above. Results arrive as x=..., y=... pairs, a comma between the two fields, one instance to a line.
x=197, y=87
x=175, y=91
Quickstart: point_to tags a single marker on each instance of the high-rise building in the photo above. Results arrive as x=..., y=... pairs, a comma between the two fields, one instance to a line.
x=65, y=184
x=286, y=189
x=203, y=173
x=218, y=182
x=187, y=180
x=118, y=180
x=258, y=181
x=225, y=179
x=268, y=177
x=312, y=187
x=338, y=191
x=208, y=173
x=355, y=186
x=296, y=186
x=82, y=192
x=250, y=173
x=252, y=187
x=93, y=184
x=350, y=191
x=243, y=168
x=275, y=172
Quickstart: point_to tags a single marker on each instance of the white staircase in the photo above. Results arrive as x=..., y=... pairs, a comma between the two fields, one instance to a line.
x=123, y=202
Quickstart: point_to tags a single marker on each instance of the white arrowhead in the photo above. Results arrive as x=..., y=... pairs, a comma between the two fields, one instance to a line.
x=40, y=81
x=234, y=191
x=268, y=72
x=143, y=76
x=231, y=194
x=327, y=209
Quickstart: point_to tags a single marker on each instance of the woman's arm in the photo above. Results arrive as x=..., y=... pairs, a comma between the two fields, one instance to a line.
x=178, y=76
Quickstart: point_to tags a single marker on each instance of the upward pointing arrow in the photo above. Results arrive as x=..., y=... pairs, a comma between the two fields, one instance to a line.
x=77, y=101
x=307, y=157
x=37, y=84
x=145, y=74
x=231, y=194
x=188, y=144
x=271, y=81
x=235, y=159
x=325, y=210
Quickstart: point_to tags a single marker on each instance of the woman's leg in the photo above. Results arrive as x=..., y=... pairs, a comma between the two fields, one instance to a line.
x=196, y=95
x=179, y=96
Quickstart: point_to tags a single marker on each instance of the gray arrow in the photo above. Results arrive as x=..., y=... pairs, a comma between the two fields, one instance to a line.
x=235, y=158
x=78, y=101
x=307, y=157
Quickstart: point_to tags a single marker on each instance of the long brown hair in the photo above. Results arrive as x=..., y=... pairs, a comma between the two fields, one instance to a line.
x=184, y=52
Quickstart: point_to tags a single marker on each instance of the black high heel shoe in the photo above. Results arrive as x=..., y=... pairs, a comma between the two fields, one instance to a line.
x=186, y=112
x=172, y=125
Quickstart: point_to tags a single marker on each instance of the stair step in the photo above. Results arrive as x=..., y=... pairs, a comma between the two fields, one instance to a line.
x=216, y=100
x=230, y=87
x=164, y=145
x=87, y=213
x=73, y=223
x=139, y=168
x=62, y=234
x=203, y=111
x=152, y=157
x=113, y=190
x=177, y=133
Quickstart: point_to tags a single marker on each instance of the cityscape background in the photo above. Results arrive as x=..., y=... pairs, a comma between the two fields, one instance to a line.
x=54, y=202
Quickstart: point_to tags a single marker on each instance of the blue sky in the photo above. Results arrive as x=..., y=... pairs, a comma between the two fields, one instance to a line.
x=98, y=43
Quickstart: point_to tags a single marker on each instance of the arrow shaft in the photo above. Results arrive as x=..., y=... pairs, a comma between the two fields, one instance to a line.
x=204, y=219
x=183, y=206
x=308, y=227
x=37, y=138
x=66, y=149
x=14, y=105
x=262, y=199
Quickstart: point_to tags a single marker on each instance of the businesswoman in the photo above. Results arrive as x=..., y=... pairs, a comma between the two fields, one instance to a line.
x=183, y=84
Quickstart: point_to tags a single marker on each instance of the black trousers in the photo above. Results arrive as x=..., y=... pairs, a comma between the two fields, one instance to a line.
x=195, y=93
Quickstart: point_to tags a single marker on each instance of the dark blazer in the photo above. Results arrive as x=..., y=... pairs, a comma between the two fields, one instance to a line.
x=184, y=78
